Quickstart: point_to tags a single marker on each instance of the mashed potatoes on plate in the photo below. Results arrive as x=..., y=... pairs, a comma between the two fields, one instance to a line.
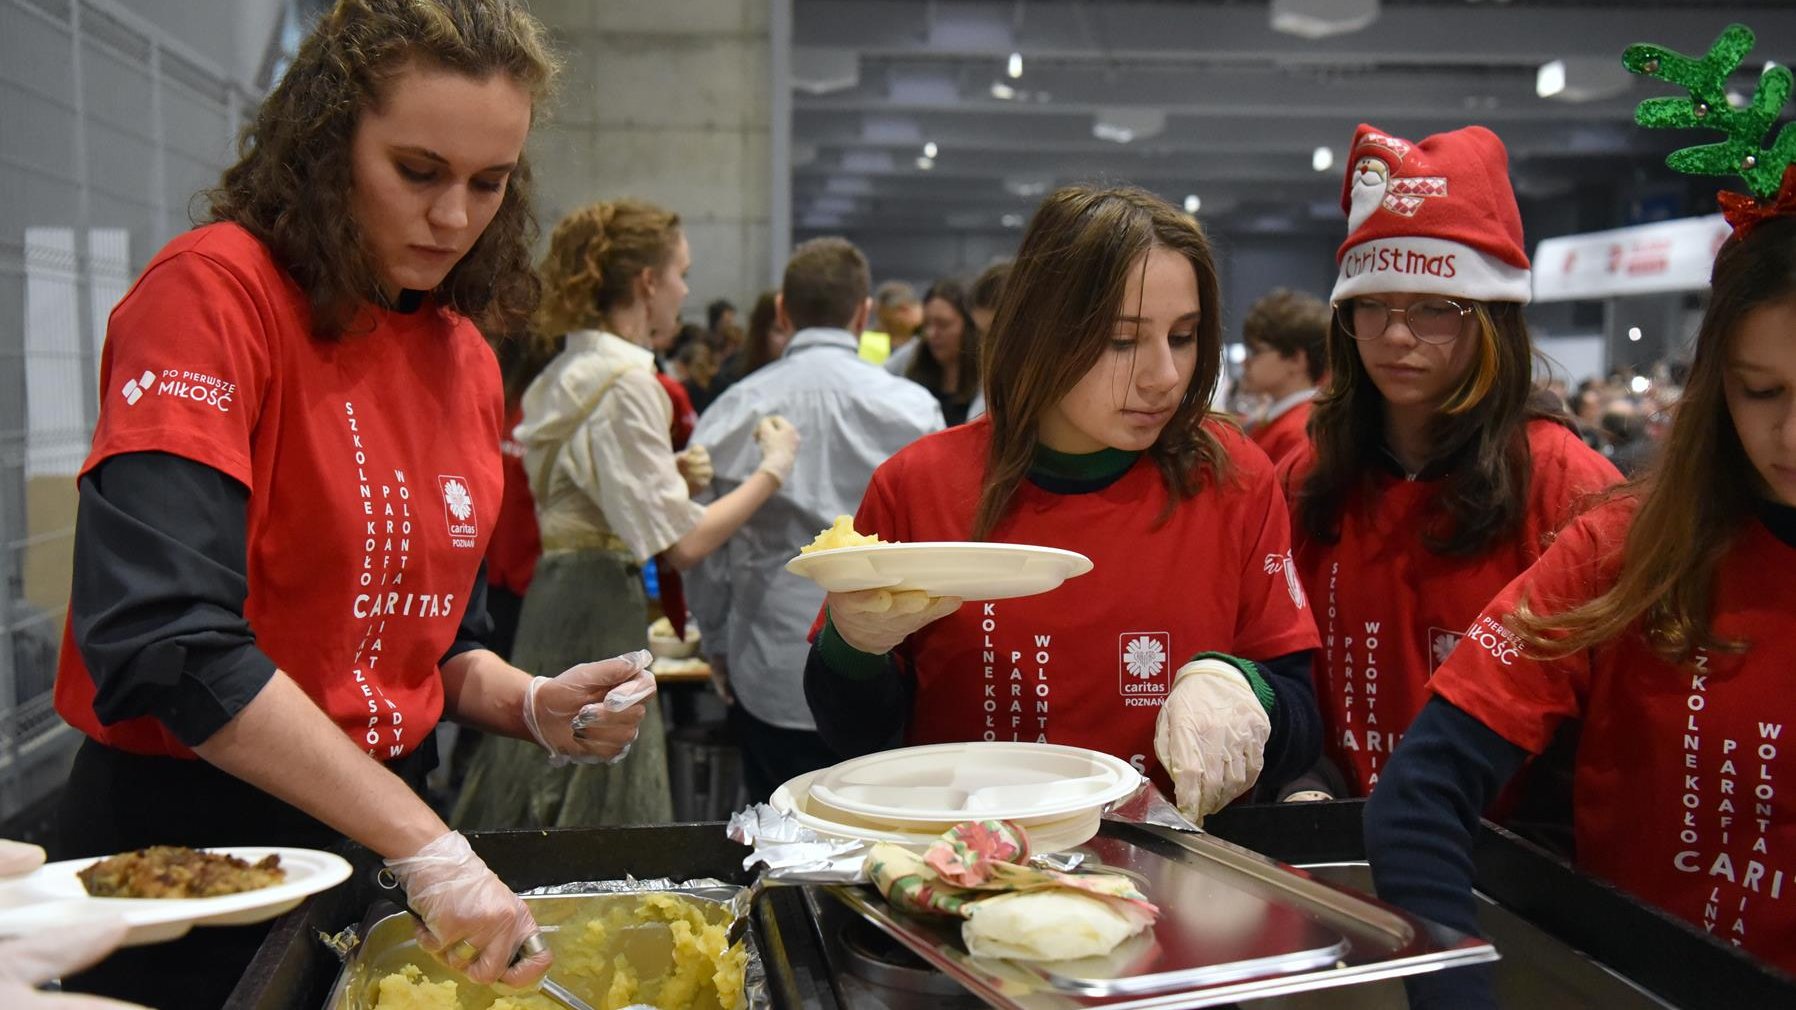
x=661, y=950
x=842, y=534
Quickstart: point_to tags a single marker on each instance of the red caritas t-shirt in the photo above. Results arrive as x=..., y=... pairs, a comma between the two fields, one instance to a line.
x=1284, y=434
x=372, y=465
x=516, y=543
x=1090, y=663
x=1685, y=778
x=1390, y=610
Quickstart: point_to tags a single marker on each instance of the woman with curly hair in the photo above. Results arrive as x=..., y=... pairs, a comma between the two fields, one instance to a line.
x=277, y=589
x=610, y=495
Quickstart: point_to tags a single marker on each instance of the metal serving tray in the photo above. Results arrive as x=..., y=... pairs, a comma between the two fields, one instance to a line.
x=390, y=942
x=1234, y=926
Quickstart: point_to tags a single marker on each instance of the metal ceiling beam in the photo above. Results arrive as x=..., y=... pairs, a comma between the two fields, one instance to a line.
x=1483, y=34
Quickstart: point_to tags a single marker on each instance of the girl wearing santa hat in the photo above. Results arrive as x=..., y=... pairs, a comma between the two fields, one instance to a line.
x=1432, y=476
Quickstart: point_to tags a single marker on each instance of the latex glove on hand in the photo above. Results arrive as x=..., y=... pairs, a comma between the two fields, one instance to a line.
x=695, y=466
x=29, y=961
x=876, y=620
x=779, y=447
x=1211, y=736
x=589, y=713
x=472, y=922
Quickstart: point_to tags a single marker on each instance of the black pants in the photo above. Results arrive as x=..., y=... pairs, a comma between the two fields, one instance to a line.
x=115, y=802
x=772, y=755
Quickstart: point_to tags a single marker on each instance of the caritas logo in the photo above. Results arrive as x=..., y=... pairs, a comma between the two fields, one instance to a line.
x=1143, y=662
x=458, y=509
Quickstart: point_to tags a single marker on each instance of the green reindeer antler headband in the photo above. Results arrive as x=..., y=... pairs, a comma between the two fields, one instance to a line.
x=1743, y=152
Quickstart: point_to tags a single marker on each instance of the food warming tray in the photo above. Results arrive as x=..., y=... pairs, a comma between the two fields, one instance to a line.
x=1234, y=925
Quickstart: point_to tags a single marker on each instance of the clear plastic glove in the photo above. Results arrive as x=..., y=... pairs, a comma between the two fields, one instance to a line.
x=779, y=447
x=589, y=713
x=695, y=466
x=29, y=961
x=1211, y=736
x=876, y=620
x=472, y=922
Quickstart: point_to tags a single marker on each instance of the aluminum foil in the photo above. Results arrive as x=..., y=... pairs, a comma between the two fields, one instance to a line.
x=787, y=852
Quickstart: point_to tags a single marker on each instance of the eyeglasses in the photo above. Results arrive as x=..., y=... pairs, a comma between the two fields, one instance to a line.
x=1432, y=320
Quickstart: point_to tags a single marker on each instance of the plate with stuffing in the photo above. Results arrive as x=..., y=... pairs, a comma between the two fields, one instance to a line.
x=844, y=561
x=163, y=891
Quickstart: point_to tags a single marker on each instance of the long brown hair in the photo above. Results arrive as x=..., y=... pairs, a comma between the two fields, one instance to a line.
x=1485, y=418
x=928, y=372
x=1054, y=321
x=595, y=255
x=757, y=349
x=290, y=187
x=1694, y=503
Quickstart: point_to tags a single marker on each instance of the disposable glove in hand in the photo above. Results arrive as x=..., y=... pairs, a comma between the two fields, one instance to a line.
x=589, y=713
x=876, y=620
x=46, y=953
x=778, y=440
x=1211, y=736
x=695, y=466
x=472, y=922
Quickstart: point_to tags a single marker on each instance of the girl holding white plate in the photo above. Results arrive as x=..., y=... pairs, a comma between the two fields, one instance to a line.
x=1187, y=650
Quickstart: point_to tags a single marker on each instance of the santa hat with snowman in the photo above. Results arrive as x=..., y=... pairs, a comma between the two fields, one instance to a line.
x=1438, y=217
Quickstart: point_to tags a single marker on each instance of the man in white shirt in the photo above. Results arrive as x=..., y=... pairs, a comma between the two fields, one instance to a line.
x=756, y=616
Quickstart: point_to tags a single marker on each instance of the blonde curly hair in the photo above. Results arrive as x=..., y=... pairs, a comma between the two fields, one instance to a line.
x=595, y=255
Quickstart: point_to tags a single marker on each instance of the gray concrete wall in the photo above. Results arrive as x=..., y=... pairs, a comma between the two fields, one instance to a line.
x=667, y=100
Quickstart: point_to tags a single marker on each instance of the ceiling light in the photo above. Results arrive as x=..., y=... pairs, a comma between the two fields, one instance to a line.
x=1015, y=69
x=1323, y=159
x=1012, y=220
x=929, y=149
x=1237, y=353
x=1192, y=203
x=1550, y=79
x=1003, y=91
x=1634, y=333
x=1122, y=125
x=925, y=163
x=1318, y=19
x=1639, y=384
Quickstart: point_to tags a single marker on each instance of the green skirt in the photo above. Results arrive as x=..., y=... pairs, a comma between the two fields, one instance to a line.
x=582, y=606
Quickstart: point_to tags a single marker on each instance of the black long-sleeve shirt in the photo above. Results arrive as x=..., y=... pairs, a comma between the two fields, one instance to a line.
x=156, y=601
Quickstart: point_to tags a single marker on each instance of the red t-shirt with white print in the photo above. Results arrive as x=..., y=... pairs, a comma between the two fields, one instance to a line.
x=1284, y=434
x=1390, y=610
x=1685, y=784
x=372, y=465
x=1090, y=663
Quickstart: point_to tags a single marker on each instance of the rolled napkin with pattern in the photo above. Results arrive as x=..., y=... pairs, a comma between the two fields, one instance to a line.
x=977, y=872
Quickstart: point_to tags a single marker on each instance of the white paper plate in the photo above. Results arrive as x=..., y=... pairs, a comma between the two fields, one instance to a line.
x=971, y=571
x=52, y=895
x=1045, y=834
x=966, y=781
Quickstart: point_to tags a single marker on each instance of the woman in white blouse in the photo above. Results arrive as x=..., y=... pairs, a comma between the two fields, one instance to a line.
x=610, y=494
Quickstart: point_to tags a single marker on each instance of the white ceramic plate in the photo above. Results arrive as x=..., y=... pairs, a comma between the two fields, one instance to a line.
x=52, y=895
x=962, y=781
x=1045, y=835
x=971, y=571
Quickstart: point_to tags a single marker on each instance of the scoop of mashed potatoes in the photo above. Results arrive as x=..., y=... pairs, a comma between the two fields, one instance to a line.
x=661, y=950
x=842, y=534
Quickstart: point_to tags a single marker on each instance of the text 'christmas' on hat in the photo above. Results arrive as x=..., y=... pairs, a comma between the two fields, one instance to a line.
x=1438, y=217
